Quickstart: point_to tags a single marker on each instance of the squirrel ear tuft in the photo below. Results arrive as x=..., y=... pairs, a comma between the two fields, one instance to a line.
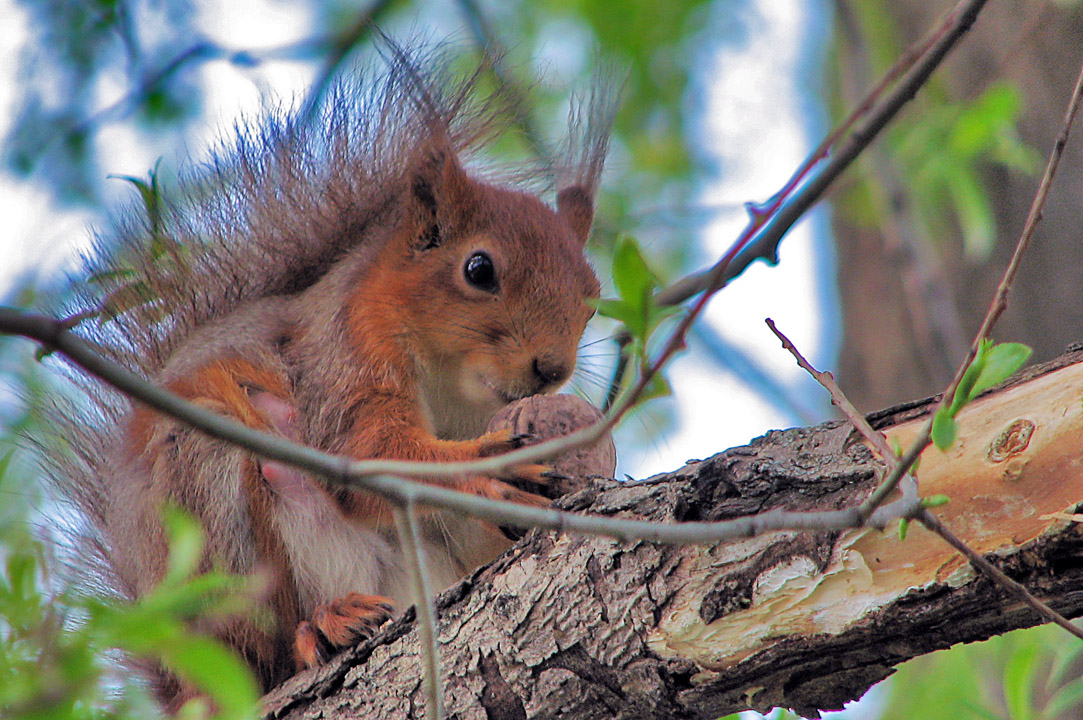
x=438, y=189
x=576, y=206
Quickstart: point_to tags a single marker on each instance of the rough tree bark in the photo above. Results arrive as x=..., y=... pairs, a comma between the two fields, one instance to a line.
x=588, y=627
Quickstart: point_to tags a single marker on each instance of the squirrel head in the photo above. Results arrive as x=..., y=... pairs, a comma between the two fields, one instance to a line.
x=488, y=286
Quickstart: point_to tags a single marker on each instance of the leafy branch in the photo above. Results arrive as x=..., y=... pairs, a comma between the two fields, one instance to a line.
x=772, y=220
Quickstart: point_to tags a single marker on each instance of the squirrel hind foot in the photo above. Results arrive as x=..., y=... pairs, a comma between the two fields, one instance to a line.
x=340, y=623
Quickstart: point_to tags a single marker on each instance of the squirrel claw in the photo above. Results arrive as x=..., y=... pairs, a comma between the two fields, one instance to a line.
x=501, y=441
x=341, y=622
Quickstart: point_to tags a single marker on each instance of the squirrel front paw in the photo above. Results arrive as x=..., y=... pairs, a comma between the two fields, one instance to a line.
x=504, y=440
x=338, y=624
x=501, y=441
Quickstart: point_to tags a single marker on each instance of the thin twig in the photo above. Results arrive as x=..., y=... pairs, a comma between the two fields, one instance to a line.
x=359, y=474
x=851, y=413
x=1000, y=300
x=414, y=554
x=938, y=331
x=838, y=397
x=765, y=244
x=201, y=51
x=991, y=571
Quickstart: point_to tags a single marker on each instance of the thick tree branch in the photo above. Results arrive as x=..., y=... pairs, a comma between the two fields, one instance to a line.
x=583, y=627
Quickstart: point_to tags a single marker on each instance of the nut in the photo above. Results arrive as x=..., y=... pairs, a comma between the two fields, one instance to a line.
x=542, y=417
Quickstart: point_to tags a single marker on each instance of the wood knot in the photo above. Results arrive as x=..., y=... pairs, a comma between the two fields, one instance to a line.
x=1012, y=441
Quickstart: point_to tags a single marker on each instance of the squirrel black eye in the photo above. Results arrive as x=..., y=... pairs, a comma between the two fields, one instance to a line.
x=480, y=273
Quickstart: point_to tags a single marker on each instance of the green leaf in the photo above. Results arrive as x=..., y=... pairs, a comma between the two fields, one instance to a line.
x=631, y=275
x=657, y=387
x=990, y=115
x=935, y=501
x=945, y=429
x=1019, y=682
x=22, y=573
x=1067, y=702
x=632, y=317
x=975, y=213
x=215, y=670
x=963, y=393
x=5, y=462
x=150, y=193
x=195, y=709
x=636, y=308
x=1001, y=362
x=904, y=527
x=896, y=447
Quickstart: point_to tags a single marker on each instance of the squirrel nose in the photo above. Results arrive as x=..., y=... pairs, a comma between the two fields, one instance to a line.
x=551, y=370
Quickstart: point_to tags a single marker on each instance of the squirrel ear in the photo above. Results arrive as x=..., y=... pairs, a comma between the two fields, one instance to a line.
x=438, y=190
x=575, y=205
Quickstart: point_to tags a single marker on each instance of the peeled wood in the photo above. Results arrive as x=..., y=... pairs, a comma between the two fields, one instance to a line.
x=587, y=627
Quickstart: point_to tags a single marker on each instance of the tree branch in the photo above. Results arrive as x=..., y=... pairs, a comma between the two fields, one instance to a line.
x=770, y=223
x=768, y=234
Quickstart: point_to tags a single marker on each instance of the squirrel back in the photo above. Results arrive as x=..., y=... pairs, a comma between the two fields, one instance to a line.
x=340, y=279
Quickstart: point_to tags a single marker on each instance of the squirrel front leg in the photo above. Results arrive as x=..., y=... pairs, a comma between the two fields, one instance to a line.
x=394, y=431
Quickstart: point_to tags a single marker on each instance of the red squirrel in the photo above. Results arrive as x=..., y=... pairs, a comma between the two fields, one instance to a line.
x=343, y=280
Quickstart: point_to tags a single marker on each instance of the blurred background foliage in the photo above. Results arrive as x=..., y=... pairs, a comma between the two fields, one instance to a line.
x=922, y=225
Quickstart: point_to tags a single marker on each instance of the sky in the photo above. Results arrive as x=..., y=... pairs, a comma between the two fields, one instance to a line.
x=757, y=128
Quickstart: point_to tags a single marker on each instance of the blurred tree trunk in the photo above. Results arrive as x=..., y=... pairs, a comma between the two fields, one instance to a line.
x=911, y=303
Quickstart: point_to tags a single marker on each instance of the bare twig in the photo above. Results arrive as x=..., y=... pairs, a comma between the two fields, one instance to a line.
x=776, y=224
x=938, y=331
x=414, y=554
x=1000, y=300
x=337, y=46
x=838, y=397
x=760, y=239
x=875, y=438
x=991, y=571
